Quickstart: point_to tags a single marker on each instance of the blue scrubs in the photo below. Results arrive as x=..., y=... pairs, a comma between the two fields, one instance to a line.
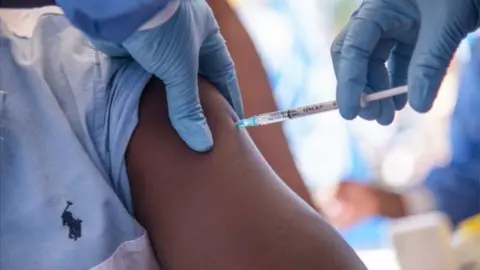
x=456, y=187
x=66, y=115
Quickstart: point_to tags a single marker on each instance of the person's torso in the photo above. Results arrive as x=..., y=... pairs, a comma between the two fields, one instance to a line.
x=58, y=207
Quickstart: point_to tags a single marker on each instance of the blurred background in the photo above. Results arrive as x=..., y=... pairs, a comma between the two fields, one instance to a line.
x=293, y=38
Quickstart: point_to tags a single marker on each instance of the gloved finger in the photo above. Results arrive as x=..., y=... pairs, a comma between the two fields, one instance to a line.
x=372, y=110
x=217, y=66
x=336, y=49
x=186, y=113
x=398, y=70
x=387, y=112
x=437, y=41
x=377, y=78
x=360, y=41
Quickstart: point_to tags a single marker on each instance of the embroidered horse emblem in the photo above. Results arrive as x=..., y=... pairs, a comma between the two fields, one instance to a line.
x=74, y=224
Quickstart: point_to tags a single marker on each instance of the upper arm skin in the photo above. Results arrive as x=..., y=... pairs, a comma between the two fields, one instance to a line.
x=225, y=209
x=258, y=98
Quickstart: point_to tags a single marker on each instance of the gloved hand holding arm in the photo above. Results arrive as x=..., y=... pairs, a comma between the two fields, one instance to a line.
x=175, y=44
x=187, y=44
x=417, y=37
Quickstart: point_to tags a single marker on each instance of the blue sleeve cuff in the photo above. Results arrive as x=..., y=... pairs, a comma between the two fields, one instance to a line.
x=111, y=20
x=456, y=190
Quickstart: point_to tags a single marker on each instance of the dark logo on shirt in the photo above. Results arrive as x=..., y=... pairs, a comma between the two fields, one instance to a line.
x=74, y=224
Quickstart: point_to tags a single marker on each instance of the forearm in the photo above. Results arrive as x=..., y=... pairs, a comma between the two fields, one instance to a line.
x=258, y=98
x=393, y=205
x=225, y=209
x=414, y=201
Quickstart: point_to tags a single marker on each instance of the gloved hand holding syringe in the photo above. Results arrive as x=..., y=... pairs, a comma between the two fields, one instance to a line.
x=280, y=116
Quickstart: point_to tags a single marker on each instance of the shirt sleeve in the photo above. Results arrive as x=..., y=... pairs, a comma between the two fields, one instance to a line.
x=456, y=191
x=116, y=20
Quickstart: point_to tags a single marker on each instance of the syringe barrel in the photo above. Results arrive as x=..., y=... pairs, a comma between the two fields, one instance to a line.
x=312, y=109
x=271, y=118
x=279, y=116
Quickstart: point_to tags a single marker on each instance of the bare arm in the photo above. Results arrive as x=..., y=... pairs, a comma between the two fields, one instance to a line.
x=258, y=98
x=225, y=209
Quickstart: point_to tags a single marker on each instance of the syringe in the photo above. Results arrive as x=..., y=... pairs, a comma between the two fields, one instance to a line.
x=280, y=116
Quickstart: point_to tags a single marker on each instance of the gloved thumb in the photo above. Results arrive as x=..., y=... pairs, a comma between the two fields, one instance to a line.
x=186, y=113
x=217, y=66
x=437, y=41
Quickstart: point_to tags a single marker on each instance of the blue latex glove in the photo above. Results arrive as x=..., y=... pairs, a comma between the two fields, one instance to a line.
x=186, y=45
x=417, y=37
